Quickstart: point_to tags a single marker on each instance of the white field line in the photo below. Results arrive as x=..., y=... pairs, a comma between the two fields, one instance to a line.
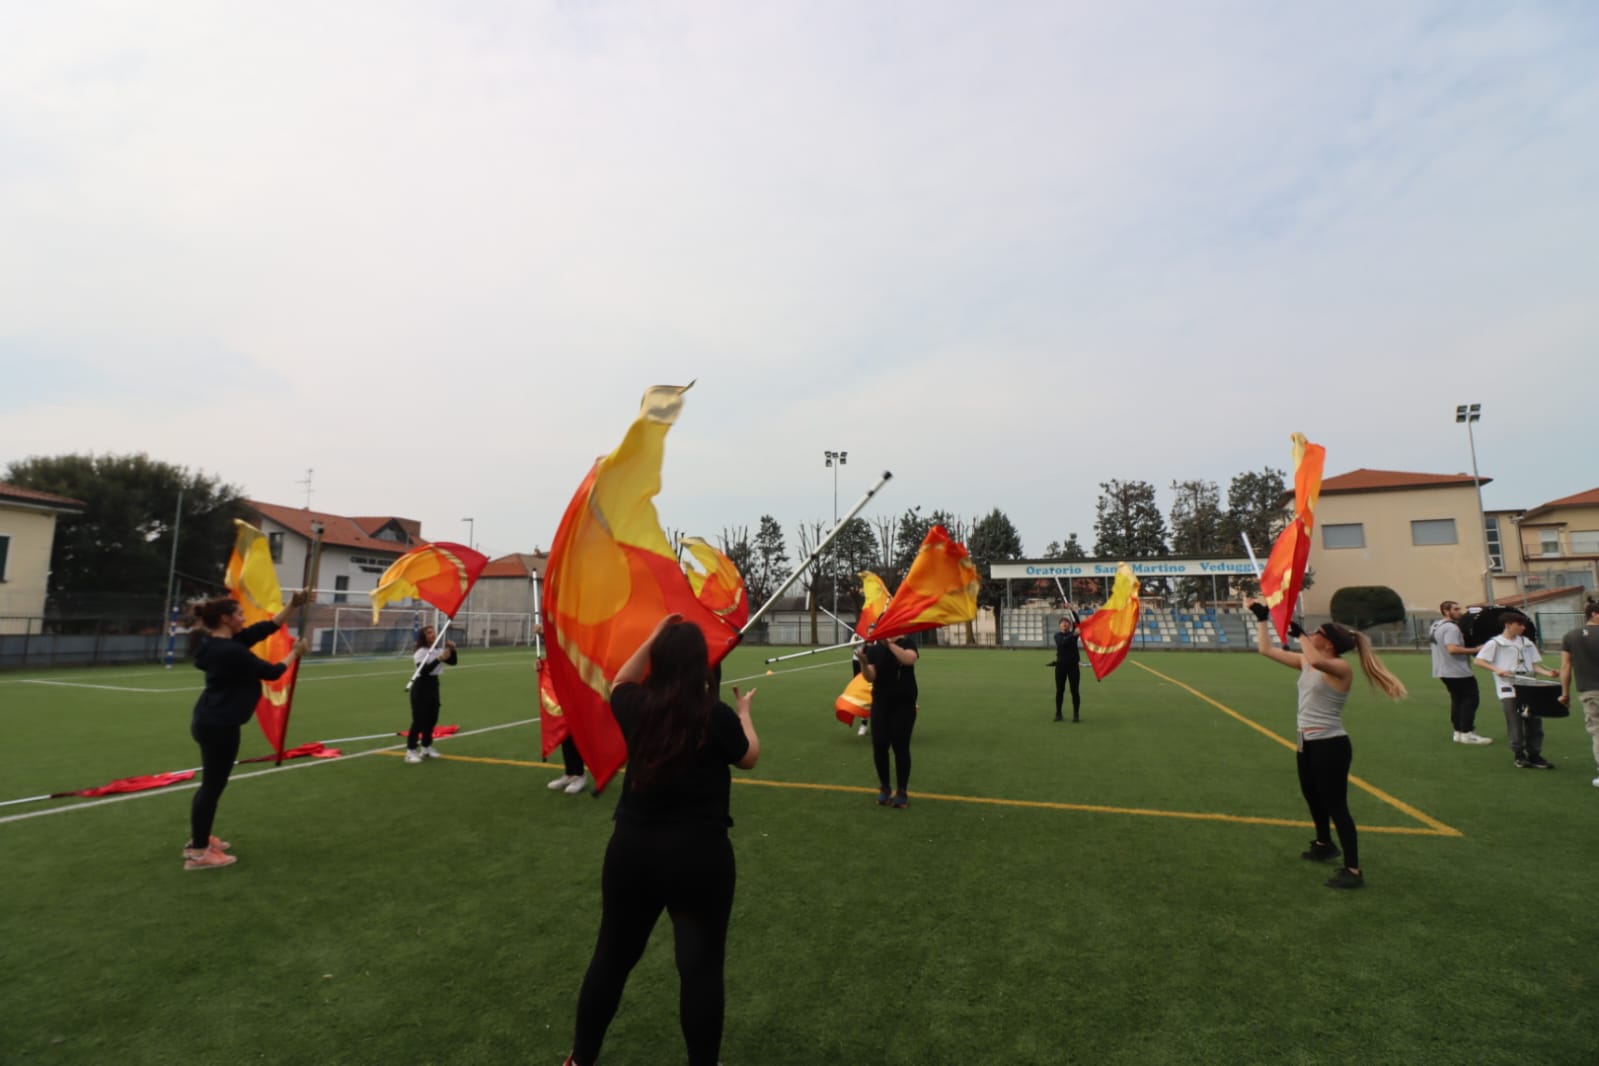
x=197, y=688
x=295, y=764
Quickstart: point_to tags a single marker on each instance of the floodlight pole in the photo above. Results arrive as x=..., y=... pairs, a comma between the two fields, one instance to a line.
x=1470, y=413
x=172, y=576
x=835, y=460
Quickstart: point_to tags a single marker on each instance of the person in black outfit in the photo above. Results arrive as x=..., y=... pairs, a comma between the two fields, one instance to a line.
x=890, y=665
x=1067, y=669
x=670, y=850
x=220, y=644
x=425, y=694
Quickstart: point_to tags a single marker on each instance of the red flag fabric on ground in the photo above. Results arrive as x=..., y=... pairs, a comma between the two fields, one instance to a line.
x=855, y=701
x=940, y=589
x=316, y=750
x=130, y=784
x=874, y=601
x=253, y=581
x=442, y=573
x=1107, y=634
x=721, y=586
x=552, y=721
x=611, y=577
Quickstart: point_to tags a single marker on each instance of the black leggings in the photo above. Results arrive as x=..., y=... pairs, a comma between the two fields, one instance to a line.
x=1063, y=674
x=571, y=758
x=219, y=747
x=1324, y=781
x=688, y=871
x=892, y=727
x=424, y=713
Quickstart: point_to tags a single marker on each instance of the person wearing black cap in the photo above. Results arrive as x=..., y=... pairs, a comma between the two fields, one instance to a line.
x=1324, y=751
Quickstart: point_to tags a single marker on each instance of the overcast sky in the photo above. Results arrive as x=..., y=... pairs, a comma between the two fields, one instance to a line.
x=436, y=251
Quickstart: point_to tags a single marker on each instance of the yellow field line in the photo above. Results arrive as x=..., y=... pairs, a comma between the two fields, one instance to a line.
x=1435, y=827
x=1143, y=812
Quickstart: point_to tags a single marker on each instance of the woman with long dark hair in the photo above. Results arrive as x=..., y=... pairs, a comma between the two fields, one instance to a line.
x=669, y=850
x=430, y=663
x=1325, y=752
x=219, y=644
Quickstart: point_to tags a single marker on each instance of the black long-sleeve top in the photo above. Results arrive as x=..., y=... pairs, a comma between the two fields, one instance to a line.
x=233, y=675
x=1065, y=650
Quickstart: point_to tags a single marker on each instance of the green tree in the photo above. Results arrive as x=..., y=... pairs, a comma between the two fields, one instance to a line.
x=114, y=558
x=1070, y=552
x=1128, y=526
x=1257, y=505
x=1364, y=606
x=1196, y=530
x=768, y=567
x=994, y=539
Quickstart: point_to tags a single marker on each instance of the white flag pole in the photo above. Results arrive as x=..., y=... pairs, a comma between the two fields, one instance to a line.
x=820, y=548
x=437, y=640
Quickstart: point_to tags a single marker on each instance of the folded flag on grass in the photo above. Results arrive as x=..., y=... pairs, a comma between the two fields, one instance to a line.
x=130, y=784
x=315, y=751
x=253, y=581
x=611, y=577
x=438, y=731
x=441, y=573
x=939, y=589
x=1107, y=634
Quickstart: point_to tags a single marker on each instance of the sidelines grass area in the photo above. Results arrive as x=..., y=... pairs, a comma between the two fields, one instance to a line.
x=1127, y=890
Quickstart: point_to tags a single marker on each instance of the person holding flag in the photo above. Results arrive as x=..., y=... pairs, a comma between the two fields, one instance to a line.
x=1067, y=668
x=889, y=666
x=670, y=849
x=430, y=663
x=1324, y=750
x=219, y=644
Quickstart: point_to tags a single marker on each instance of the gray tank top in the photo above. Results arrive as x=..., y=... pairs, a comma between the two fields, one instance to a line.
x=1321, y=707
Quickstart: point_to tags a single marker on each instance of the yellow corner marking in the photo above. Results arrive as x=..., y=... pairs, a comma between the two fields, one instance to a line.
x=1434, y=826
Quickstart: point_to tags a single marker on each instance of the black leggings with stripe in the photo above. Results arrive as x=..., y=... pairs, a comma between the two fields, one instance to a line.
x=1324, y=781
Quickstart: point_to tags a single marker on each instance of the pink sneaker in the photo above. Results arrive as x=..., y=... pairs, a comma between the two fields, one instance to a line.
x=216, y=842
x=209, y=859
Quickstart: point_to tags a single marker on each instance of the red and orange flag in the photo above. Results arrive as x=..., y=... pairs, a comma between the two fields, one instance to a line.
x=940, y=589
x=611, y=577
x=441, y=573
x=552, y=722
x=253, y=581
x=1107, y=634
x=1284, y=574
x=721, y=586
x=855, y=701
x=874, y=601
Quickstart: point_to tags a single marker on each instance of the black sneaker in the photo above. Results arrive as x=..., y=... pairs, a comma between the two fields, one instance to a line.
x=1320, y=852
x=1538, y=762
x=1345, y=878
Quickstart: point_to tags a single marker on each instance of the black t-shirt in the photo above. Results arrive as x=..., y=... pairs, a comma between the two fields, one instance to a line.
x=1065, y=649
x=893, y=685
x=233, y=675
x=695, y=788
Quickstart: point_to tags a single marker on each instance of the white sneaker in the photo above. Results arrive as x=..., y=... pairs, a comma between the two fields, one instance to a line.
x=864, y=729
x=560, y=783
x=1474, y=738
x=1456, y=737
x=1596, y=782
x=429, y=753
x=412, y=755
x=579, y=783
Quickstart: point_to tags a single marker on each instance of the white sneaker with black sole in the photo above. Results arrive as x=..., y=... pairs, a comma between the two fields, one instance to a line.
x=1473, y=738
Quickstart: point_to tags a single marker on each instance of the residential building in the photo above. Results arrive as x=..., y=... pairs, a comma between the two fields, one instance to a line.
x=1559, y=543
x=355, y=550
x=27, y=536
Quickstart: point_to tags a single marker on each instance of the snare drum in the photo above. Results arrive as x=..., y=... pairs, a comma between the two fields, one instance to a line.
x=1539, y=697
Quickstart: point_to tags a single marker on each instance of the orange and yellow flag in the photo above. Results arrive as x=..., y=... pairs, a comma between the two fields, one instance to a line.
x=940, y=589
x=552, y=722
x=1107, y=634
x=253, y=581
x=611, y=577
x=874, y=600
x=855, y=701
x=721, y=586
x=1284, y=574
x=441, y=573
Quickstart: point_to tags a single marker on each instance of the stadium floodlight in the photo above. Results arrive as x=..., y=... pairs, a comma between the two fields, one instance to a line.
x=1468, y=413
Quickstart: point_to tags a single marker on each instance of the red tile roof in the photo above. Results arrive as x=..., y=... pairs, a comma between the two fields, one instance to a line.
x=1542, y=596
x=517, y=564
x=1364, y=480
x=1581, y=499
x=339, y=530
x=9, y=491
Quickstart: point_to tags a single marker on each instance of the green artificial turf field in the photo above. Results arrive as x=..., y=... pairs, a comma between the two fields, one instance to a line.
x=1127, y=890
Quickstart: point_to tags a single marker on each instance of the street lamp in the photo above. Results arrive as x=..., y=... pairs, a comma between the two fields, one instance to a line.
x=835, y=460
x=1470, y=413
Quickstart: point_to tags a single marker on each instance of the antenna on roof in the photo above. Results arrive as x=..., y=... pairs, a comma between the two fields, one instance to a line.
x=306, y=481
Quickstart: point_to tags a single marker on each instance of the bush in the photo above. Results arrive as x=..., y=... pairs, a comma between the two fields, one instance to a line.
x=1364, y=606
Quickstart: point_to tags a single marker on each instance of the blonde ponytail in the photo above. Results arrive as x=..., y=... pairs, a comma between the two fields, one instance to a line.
x=1376, y=673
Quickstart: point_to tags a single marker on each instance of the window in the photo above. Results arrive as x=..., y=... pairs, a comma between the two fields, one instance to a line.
x=341, y=585
x=5, y=552
x=1496, y=549
x=1348, y=535
x=1426, y=531
x=275, y=545
x=1584, y=541
x=1549, y=542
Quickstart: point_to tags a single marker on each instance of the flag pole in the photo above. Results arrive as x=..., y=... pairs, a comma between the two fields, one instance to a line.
x=1260, y=576
x=313, y=563
x=438, y=639
x=860, y=505
x=812, y=651
x=538, y=619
